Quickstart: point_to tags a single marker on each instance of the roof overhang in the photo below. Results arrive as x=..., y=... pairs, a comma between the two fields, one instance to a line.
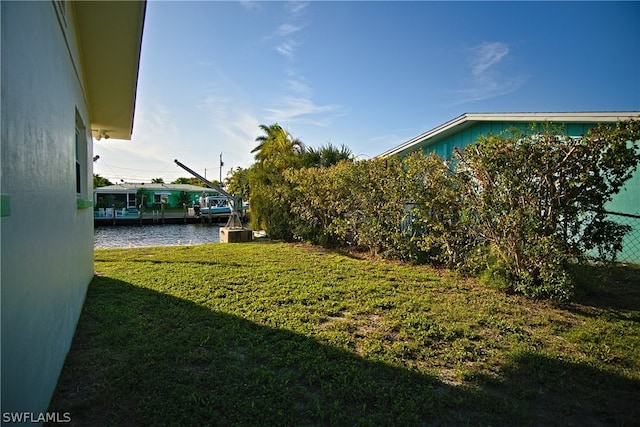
x=152, y=187
x=467, y=120
x=110, y=40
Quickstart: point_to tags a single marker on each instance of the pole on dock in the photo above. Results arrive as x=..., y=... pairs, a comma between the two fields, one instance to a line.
x=221, y=165
x=141, y=207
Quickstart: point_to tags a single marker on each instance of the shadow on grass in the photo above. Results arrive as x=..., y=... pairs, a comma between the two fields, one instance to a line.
x=615, y=289
x=141, y=357
x=559, y=392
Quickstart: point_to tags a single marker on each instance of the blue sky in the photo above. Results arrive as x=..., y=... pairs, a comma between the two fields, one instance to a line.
x=366, y=74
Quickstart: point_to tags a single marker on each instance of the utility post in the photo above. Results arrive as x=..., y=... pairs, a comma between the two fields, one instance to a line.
x=221, y=165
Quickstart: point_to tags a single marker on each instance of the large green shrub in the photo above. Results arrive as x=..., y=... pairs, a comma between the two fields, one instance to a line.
x=534, y=201
x=352, y=203
x=435, y=224
x=379, y=199
x=403, y=209
x=321, y=203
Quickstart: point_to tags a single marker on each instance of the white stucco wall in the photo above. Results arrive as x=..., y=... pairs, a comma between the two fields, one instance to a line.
x=46, y=240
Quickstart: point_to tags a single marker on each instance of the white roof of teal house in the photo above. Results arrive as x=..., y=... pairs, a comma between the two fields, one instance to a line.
x=468, y=120
x=132, y=187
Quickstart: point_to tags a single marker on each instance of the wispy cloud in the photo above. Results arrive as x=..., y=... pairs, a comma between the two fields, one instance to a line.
x=294, y=11
x=298, y=84
x=287, y=48
x=304, y=110
x=296, y=7
x=286, y=29
x=297, y=106
x=234, y=126
x=487, y=55
x=250, y=4
x=487, y=80
x=491, y=88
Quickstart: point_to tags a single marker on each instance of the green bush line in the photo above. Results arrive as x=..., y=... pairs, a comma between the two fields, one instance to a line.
x=518, y=209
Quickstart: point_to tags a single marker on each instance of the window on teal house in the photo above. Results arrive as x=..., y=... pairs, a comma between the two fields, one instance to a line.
x=162, y=197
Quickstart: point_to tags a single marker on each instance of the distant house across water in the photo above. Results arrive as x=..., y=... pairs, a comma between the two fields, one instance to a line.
x=132, y=196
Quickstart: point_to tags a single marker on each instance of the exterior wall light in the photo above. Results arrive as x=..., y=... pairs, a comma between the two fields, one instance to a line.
x=101, y=134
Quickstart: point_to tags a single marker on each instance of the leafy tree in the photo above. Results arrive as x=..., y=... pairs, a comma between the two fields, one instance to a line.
x=269, y=200
x=157, y=181
x=237, y=182
x=99, y=181
x=190, y=181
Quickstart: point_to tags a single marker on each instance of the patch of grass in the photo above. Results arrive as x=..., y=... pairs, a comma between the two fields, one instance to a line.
x=275, y=334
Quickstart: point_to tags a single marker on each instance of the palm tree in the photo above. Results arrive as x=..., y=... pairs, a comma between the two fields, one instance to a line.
x=277, y=147
x=326, y=155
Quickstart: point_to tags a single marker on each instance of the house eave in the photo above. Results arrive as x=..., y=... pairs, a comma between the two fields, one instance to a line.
x=111, y=38
x=468, y=119
x=153, y=187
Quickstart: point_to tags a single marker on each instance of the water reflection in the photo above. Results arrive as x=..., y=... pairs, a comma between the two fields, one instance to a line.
x=131, y=236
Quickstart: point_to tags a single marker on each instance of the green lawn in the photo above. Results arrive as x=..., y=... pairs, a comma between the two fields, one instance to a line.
x=276, y=334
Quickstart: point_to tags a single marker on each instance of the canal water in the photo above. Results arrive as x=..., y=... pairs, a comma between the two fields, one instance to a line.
x=133, y=236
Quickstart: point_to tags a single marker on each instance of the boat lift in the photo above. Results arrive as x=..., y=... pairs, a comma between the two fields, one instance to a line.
x=234, y=230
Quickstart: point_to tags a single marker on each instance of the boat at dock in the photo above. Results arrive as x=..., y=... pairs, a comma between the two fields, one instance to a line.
x=216, y=205
x=217, y=211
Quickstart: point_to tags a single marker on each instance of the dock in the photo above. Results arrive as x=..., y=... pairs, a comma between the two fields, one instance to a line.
x=157, y=217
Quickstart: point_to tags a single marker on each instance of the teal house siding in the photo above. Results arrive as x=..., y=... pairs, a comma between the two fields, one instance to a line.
x=628, y=200
x=444, y=148
x=467, y=128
